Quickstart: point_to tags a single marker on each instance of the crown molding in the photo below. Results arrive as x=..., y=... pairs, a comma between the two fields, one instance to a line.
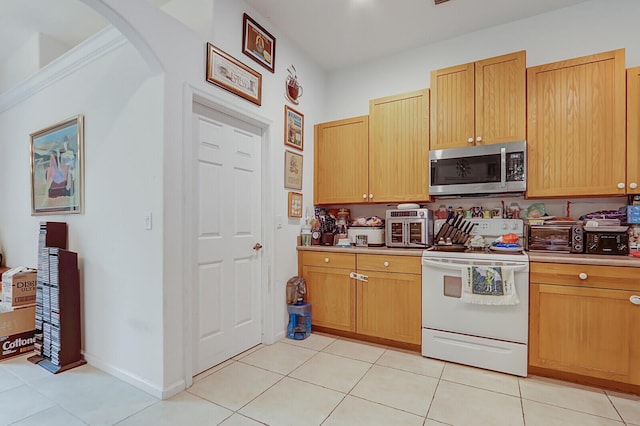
x=95, y=47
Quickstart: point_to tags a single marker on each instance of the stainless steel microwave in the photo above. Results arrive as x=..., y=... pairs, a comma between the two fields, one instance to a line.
x=476, y=170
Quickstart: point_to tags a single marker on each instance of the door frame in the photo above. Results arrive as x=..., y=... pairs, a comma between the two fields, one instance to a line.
x=192, y=95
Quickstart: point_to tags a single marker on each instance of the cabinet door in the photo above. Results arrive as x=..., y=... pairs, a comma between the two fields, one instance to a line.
x=332, y=296
x=576, y=127
x=587, y=331
x=399, y=148
x=501, y=99
x=341, y=161
x=633, y=130
x=452, y=107
x=389, y=305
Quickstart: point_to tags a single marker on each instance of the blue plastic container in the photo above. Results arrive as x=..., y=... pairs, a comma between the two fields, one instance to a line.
x=299, y=321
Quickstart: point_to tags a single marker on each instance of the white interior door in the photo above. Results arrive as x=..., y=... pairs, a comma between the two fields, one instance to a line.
x=227, y=308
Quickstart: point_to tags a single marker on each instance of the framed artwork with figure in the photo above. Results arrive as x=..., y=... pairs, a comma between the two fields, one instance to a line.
x=258, y=44
x=293, y=128
x=292, y=170
x=57, y=184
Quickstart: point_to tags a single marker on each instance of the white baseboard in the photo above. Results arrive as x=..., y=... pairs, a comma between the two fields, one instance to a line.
x=144, y=385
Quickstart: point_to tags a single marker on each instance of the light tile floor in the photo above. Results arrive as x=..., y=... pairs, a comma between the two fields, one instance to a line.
x=322, y=380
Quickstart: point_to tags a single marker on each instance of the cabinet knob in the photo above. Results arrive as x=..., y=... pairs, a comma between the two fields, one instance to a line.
x=621, y=185
x=582, y=276
x=470, y=140
x=364, y=196
x=635, y=300
x=326, y=260
x=633, y=185
x=370, y=196
x=479, y=139
x=386, y=263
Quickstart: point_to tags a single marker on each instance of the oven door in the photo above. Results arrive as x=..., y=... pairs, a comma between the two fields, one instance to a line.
x=443, y=309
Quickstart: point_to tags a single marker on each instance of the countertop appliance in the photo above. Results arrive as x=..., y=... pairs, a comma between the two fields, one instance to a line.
x=409, y=228
x=374, y=234
x=566, y=238
x=487, y=169
x=607, y=240
x=488, y=336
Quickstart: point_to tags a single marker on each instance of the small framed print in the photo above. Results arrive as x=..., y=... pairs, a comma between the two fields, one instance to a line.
x=292, y=170
x=362, y=241
x=258, y=44
x=295, y=204
x=293, y=128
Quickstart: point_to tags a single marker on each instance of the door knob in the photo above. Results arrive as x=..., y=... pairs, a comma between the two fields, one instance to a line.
x=257, y=247
x=470, y=140
x=479, y=139
x=633, y=185
x=582, y=276
x=621, y=185
x=635, y=300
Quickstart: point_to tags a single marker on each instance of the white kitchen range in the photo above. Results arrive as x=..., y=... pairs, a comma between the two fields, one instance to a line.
x=475, y=304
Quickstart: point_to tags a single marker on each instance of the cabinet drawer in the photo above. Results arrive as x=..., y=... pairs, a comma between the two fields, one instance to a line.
x=387, y=263
x=612, y=277
x=329, y=259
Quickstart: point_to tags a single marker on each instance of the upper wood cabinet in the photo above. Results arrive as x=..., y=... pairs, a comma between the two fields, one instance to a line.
x=399, y=148
x=633, y=130
x=479, y=103
x=341, y=161
x=576, y=127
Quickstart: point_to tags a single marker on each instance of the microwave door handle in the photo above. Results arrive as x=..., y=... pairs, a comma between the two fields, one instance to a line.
x=503, y=167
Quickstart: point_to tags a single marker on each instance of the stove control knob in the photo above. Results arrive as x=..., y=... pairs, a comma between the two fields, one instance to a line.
x=505, y=226
x=514, y=226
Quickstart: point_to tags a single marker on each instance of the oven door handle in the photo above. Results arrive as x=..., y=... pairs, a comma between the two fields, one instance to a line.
x=458, y=266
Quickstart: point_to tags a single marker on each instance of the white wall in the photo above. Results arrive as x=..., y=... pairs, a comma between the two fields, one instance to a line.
x=120, y=262
x=134, y=279
x=36, y=52
x=590, y=27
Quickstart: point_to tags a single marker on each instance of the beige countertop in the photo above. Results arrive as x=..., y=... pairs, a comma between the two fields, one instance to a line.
x=578, y=259
x=366, y=250
x=584, y=259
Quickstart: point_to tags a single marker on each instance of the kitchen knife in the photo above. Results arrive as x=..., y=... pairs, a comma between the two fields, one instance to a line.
x=452, y=228
x=460, y=239
x=444, y=228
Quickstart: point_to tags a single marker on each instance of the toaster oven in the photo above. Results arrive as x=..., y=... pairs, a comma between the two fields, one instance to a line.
x=566, y=238
x=409, y=228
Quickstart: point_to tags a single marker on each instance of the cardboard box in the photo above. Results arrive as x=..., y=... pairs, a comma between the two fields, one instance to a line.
x=19, y=286
x=17, y=331
x=633, y=214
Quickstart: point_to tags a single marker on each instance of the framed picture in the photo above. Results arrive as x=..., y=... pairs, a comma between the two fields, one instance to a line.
x=295, y=204
x=57, y=168
x=227, y=72
x=293, y=128
x=292, y=170
x=258, y=44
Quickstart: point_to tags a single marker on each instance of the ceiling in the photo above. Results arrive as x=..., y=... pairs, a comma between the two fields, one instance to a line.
x=335, y=33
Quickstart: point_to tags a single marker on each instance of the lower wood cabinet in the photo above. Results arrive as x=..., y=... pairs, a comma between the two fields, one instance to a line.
x=330, y=290
x=386, y=303
x=583, y=322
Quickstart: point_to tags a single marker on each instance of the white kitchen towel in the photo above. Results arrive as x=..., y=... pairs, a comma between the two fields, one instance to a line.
x=489, y=285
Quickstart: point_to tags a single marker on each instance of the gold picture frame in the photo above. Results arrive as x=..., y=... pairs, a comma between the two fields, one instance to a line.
x=294, y=205
x=227, y=72
x=293, y=128
x=57, y=168
x=292, y=170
